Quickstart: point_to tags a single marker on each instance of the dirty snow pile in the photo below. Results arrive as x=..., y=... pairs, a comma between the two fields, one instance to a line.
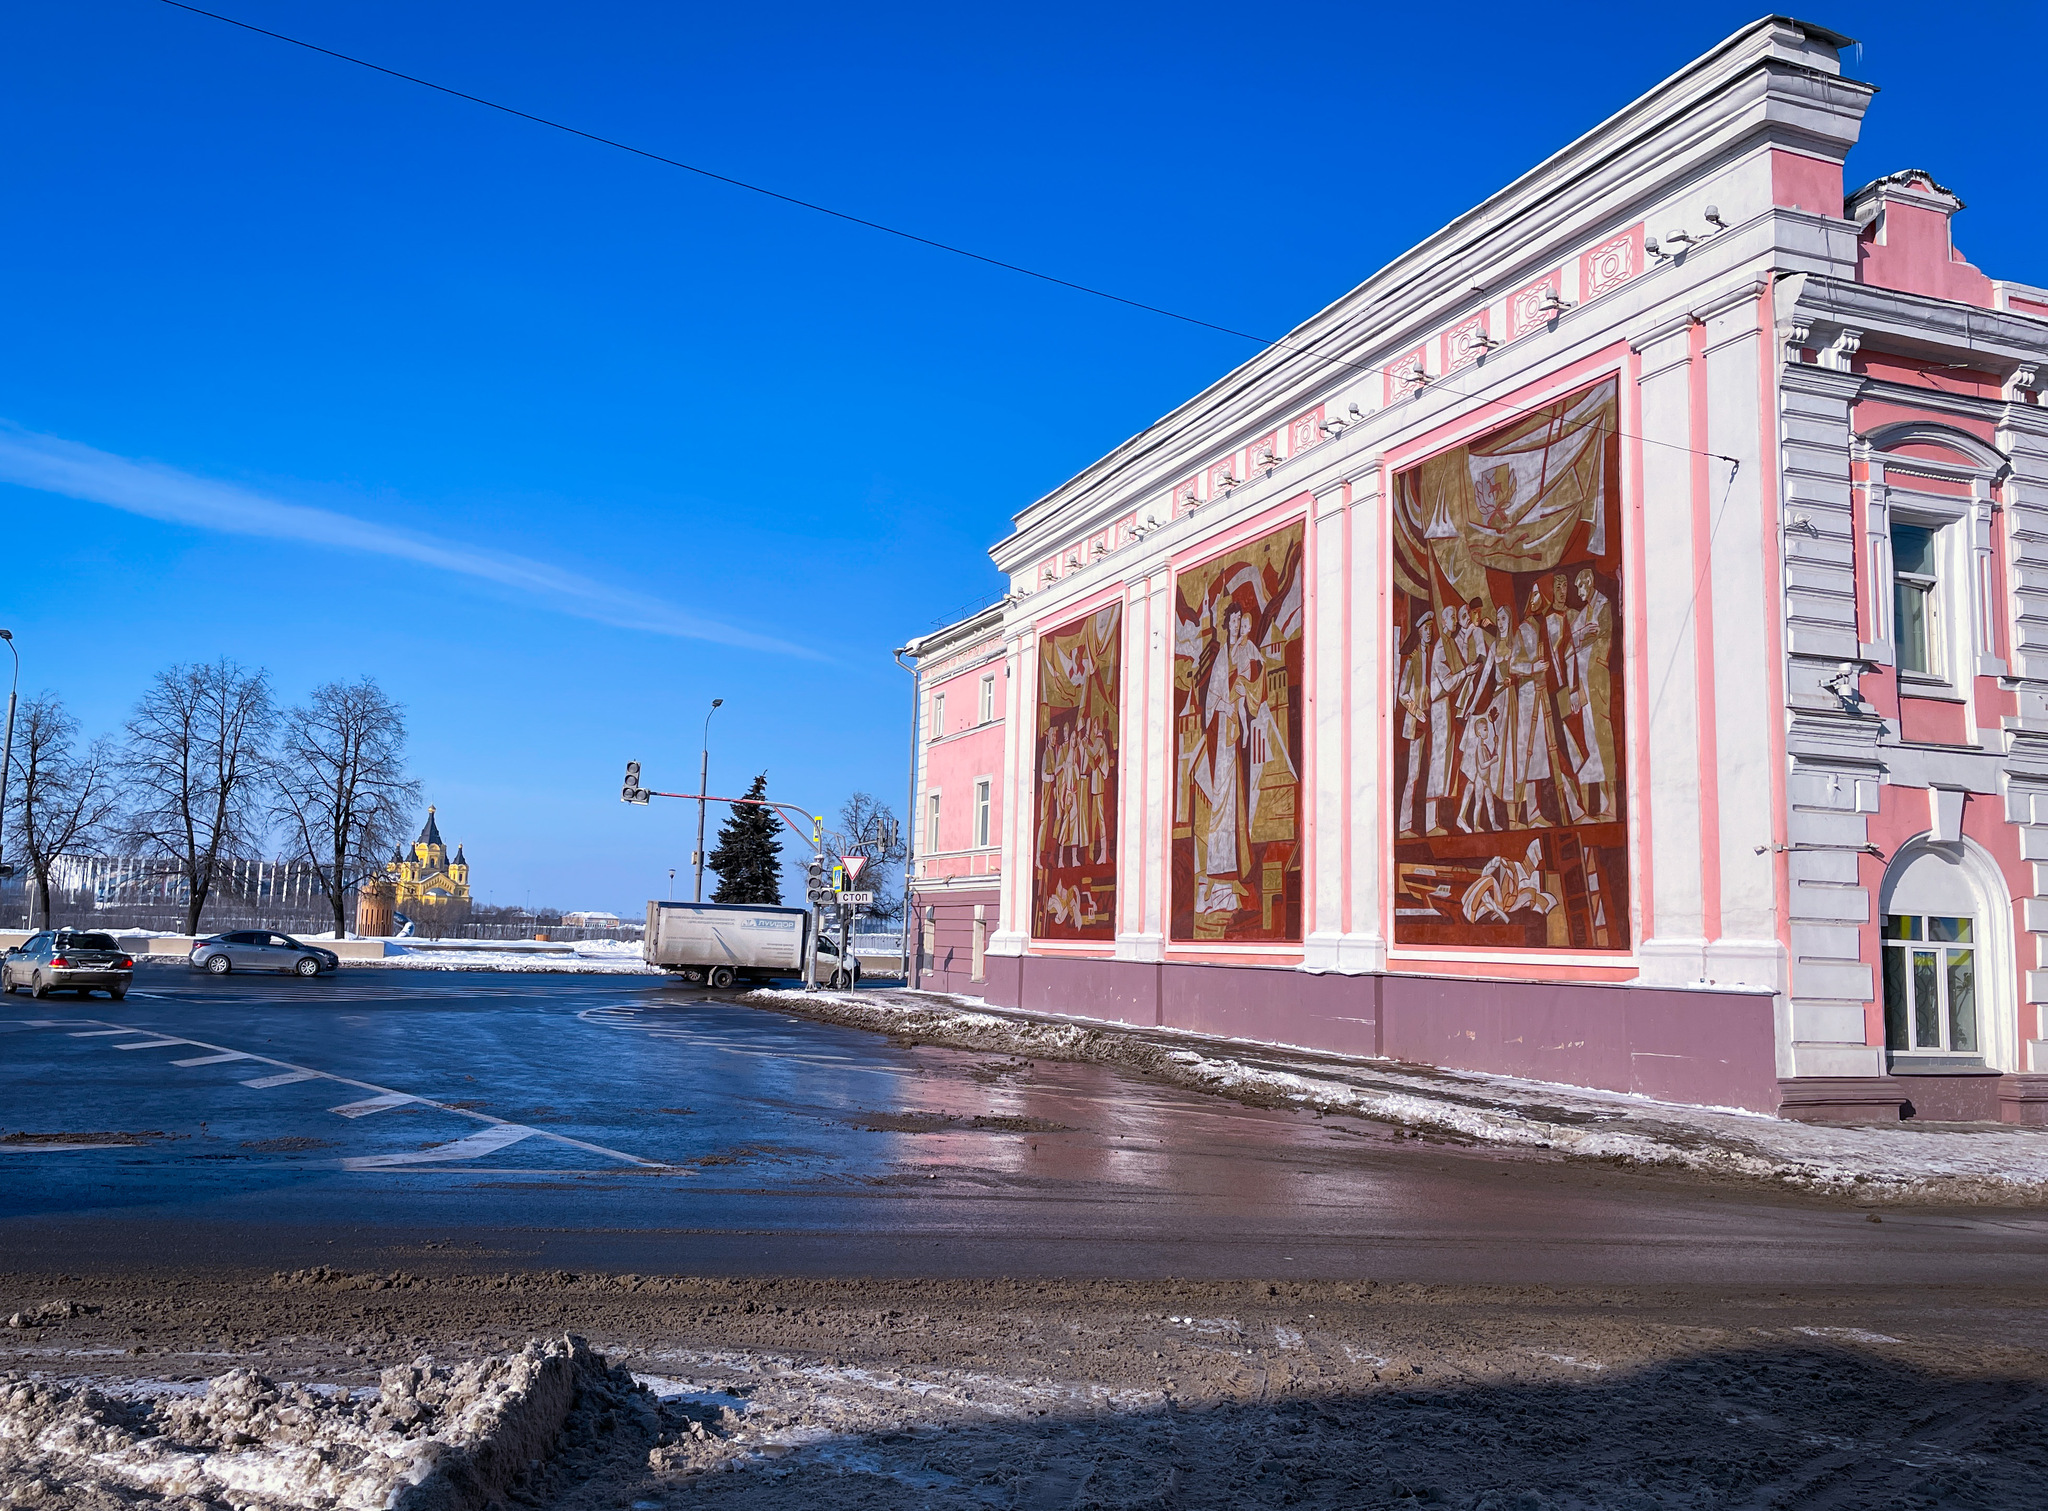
x=431, y=1438
x=741, y=1409
x=1876, y=1163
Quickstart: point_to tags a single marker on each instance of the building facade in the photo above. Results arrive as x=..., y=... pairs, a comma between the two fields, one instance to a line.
x=955, y=870
x=1608, y=645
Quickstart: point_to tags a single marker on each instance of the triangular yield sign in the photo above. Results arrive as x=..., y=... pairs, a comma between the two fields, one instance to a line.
x=853, y=864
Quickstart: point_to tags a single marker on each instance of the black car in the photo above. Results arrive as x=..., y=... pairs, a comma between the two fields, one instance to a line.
x=73, y=960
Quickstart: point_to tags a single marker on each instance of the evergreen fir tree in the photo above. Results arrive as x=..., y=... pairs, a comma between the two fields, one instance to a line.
x=748, y=859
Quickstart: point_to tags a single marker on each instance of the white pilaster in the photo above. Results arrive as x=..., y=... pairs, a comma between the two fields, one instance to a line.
x=1666, y=648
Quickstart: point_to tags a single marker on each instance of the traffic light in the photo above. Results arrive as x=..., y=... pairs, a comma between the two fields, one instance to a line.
x=632, y=791
x=815, y=889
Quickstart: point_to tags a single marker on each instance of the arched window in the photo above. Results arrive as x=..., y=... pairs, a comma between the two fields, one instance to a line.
x=1929, y=491
x=1947, y=967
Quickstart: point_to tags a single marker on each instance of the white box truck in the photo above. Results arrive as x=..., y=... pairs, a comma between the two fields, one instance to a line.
x=718, y=943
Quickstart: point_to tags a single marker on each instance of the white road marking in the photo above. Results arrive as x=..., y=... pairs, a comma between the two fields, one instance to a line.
x=375, y=1104
x=223, y=1056
x=474, y=1147
x=305, y=1073
x=151, y=1044
x=103, y=1033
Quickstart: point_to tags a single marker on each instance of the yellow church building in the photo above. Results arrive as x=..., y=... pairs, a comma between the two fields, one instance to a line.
x=428, y=877
x=426, y=880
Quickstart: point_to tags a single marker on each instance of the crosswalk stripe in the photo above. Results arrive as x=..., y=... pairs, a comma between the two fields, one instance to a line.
x=152, y=1044
x=374, y=1104
x=476, y=1145
x=221, y=1058
x=265, y=1082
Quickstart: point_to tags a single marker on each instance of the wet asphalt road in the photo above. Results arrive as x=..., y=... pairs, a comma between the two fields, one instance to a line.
x=426, y=1118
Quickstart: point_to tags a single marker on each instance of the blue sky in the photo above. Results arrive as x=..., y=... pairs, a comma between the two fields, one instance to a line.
x=624, y=440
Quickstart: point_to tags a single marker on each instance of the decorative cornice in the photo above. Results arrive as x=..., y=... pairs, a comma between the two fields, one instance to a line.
x=1839, y=353
x=1673, y=325
x=1804, y=377
x=1748, y=291
x=948, y=638
x=1776, y=81
x=1919, y=321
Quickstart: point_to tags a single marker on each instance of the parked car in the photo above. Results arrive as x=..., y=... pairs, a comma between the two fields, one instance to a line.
x=260, y=950
x=68, y=960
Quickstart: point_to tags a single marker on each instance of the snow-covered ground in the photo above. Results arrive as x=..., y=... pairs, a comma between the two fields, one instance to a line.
x=619, y=957
x=1891, y=1163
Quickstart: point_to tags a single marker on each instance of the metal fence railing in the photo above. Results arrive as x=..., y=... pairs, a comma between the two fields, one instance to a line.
x=135, y=894
x=132, y=893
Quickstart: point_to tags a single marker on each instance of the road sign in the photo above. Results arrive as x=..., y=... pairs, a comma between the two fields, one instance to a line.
x=858, y=899
x=854, y=865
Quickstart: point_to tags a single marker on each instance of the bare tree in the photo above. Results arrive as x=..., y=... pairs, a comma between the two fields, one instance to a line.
x=872, y=825
x=340, y=790
x=62, y=798
x=195, y=767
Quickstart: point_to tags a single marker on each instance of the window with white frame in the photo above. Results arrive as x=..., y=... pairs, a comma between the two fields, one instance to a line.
x=1934, y=591
x=982, y=789
x=938, y=715
x=931, y=823
x=1917, y=617
x=988, y=699
x=1930, y=984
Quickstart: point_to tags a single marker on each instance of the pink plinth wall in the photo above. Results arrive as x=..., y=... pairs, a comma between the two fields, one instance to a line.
x=949, y=965
x=1688, y=1046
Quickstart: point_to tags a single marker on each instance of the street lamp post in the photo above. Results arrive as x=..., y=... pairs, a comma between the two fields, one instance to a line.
x=704, y=786
x=7, y=757
x=671, y=883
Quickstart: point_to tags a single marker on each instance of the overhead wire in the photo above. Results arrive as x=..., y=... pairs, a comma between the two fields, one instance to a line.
x=858, y=220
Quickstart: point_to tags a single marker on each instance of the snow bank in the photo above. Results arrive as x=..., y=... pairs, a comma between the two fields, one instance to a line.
x=619, y=957
x=432, y=1439
x=1890, y=1163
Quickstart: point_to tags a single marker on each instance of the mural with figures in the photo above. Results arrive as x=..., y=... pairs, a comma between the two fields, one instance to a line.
x=1074, y=870
x=1510, y=815
x=1237, y=680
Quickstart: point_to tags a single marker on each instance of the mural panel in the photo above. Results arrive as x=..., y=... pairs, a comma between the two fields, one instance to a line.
x=1237, y=744
x=1073, y=894
x=1509, y=717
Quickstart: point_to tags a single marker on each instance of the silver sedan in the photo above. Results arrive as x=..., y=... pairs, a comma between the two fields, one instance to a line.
x=260, y=950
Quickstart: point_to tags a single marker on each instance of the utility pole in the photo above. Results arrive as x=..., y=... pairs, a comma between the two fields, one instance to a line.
x=7, y=758
x=704, y=786
x=911, y=962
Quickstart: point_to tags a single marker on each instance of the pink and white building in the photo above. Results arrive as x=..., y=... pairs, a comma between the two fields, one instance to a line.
x=1609, y=645
x=956, y=863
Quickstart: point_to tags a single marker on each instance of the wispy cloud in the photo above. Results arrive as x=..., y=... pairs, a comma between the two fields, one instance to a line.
x=54, y=465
